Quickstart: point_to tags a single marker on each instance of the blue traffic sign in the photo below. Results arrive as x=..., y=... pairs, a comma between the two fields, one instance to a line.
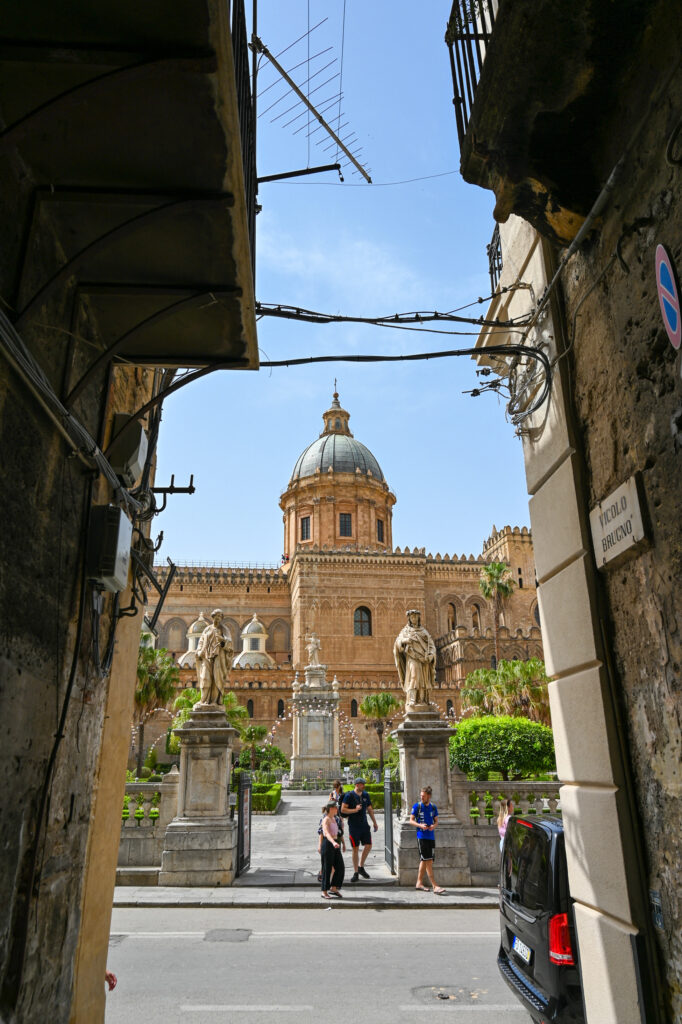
x=668, y=295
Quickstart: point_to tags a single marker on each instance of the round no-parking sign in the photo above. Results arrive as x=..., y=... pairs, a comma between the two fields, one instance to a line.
x=668, y=295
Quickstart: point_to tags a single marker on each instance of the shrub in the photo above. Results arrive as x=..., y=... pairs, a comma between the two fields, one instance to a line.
x=371, y=764
x=151, y=758
x=268, y=800
x=145, y=773
x=155, y=778
x=515, y=747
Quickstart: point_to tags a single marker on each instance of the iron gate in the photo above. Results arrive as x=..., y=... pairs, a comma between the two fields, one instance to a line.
x=244, y=823
x=391, y=787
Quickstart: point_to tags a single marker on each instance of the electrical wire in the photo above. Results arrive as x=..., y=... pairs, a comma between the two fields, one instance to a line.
x=391, y=320
x=80, y=441
x=343, y=46
x=375, y=184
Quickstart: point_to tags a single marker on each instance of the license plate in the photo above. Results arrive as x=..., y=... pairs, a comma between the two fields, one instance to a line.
x=522, y=949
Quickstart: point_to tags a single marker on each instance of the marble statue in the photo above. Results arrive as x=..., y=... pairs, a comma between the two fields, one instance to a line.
x=214, y=661
x=313, y=649
x=415, y=657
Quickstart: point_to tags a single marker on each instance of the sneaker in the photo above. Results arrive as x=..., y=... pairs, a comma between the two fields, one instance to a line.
x=355, y=877
x=363, y=872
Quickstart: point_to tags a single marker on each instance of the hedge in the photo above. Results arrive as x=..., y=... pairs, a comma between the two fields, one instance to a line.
x=516, y=747
x=268, y=800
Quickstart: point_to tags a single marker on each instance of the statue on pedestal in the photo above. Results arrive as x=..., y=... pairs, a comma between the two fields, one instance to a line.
x=214, y=661
x=313, y=649
x=415, y=658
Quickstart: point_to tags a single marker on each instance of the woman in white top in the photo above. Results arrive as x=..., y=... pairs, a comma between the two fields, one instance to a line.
x=506, y=811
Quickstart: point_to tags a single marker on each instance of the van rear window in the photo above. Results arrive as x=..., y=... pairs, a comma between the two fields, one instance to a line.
x=525, y=868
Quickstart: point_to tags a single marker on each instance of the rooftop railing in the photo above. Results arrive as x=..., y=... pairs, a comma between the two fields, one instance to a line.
x=468, y=33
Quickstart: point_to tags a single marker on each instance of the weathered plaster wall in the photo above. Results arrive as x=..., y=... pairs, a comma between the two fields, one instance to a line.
x=628, y=396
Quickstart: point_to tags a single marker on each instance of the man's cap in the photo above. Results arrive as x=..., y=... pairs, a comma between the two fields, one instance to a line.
x=358, y=780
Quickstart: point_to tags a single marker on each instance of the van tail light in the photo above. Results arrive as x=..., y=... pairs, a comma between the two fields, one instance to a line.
x=560, y=949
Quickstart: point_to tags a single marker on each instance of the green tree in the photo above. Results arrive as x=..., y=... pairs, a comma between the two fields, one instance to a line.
x=268, y=758
x=515, y=747
x=235, y=713
x=157, y=678
x=517, y=688
x=380, y=709
x=252, y=740
x=496, y=583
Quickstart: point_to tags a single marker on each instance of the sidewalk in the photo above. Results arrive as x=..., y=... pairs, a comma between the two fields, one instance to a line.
x=359, y=896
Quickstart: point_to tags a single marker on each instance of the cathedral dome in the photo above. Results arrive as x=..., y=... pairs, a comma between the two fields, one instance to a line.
x=336, y=449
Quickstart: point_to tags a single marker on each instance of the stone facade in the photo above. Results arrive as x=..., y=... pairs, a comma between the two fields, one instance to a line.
x=353, y=592
x=611, y=631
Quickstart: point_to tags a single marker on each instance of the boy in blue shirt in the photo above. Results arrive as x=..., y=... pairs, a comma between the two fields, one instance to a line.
x=425, y=817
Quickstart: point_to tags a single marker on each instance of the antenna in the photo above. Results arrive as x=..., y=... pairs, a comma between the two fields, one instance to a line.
x=261, y=48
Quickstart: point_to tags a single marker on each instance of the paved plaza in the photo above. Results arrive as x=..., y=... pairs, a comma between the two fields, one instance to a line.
x=284, y=866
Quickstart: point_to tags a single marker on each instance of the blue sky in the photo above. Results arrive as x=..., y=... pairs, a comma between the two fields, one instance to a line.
x=453, y=461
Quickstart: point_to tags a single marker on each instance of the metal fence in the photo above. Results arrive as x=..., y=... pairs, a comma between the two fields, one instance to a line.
x=247, y=124
x=468, y=33
x=244, y=808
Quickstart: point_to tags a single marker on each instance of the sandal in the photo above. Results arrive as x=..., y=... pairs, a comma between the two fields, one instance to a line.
x=422, y=888
x=336, y=895
x=325, y=895
x=438, y=890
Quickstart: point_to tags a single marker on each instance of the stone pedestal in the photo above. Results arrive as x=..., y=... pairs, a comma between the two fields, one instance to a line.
x=315, y=707
x=425, y=761
x=200, y=847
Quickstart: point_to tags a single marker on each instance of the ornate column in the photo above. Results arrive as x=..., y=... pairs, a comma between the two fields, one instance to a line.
x=315, y=707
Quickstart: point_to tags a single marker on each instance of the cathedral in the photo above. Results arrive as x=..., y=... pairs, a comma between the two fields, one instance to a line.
x=342, y=578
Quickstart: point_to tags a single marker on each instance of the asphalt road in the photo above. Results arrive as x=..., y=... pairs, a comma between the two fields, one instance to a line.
x=203, y=966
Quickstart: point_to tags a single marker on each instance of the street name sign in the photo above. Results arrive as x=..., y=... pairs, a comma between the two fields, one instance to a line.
x=616, y=524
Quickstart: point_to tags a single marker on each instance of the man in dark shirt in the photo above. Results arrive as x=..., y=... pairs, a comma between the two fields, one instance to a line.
x=356, y=805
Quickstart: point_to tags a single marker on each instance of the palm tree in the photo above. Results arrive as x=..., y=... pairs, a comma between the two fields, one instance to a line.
x=380, y=709
x=184, y=703
x=252, y=740
x=157, y=678
x=496, y=584
x=517, y=688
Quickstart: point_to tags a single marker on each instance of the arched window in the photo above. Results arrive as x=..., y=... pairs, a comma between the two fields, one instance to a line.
x=280, y=709
x=493, y=662
x=536, y=614
x=249, y=708
x=476, y=617
x=449, y=707
x=353, y=709
x=362, y=622
x=452, y=617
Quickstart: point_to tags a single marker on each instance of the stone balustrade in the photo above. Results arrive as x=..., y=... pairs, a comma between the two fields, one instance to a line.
x=151, y=806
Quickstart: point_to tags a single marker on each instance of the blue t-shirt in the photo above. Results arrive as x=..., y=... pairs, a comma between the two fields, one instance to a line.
x=359, y=819
x=425, y=815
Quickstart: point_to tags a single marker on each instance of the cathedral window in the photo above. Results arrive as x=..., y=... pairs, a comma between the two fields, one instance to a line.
x=476, y=617
x=536, y=614
x=449, y=708
x=380, y=531
x=280, y=709
x=305, y=527
x=452, y=617
x=493, y=662
x=345, y=524
x=362, y=622
x=353, y=709
x=253, y=643
x=249, y=708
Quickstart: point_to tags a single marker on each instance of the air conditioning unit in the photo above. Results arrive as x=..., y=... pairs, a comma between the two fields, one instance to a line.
x=109, y=548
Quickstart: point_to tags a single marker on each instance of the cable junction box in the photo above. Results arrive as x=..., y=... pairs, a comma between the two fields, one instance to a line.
x=109, y=549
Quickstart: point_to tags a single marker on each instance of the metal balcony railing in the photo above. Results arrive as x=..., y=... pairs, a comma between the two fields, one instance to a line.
x=468, y=33
x=247, y=124
x=494, y=250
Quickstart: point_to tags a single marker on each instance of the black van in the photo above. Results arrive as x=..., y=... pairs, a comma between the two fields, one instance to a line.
x=538, y=955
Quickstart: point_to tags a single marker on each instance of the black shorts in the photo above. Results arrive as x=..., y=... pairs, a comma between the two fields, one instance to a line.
x=427, y=849
x=360, y=836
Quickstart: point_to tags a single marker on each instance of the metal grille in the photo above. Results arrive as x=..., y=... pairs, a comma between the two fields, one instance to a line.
x=391, y=786
x=467, y=36
x=494, y=250
x=244, y=823
x=247, y=123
